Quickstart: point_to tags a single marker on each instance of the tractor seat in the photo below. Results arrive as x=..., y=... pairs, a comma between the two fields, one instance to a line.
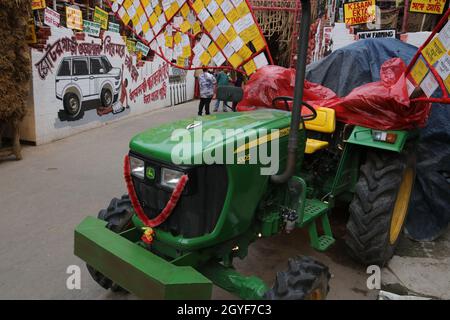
x=325, y=122
x=313, y=145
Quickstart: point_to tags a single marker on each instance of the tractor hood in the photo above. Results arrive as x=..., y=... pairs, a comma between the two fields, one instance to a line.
x=159, y=142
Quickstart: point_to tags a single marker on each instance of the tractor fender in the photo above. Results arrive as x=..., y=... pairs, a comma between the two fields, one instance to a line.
x=363, y=137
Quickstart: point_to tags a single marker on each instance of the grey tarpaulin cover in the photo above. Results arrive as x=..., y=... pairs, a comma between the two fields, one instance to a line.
x=359, y=63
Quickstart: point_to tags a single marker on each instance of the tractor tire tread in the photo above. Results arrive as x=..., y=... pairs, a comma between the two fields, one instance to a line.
x=118, y=216
x=304, y=275
x=368, y=226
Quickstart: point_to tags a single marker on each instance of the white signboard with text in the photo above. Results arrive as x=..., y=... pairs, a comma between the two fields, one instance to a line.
x=387, y=33
x=52, y=18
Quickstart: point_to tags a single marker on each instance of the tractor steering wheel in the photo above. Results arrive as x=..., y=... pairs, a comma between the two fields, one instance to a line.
x=286, y=104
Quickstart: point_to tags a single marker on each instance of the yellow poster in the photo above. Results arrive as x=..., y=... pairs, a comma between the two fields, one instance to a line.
x=419, y=71
x=169, y=41
x=209, y=24
x=221, y=41
x=158, y=10
x=185, y=10
x=433, y=51
x=186, y=51
x=250, y=33
x=205, y=58
x=74, y=18
x=153, y=18
x=125, y=18
x=250, y=67
x=218, y=16
x=359, y=12
x=38, y=4
x=212, y=49
x=127, y=4
x=258, y=43
x=198, y=6
x=101, y=16
x=185, y=26
x=196, y=29
x=447, y=83
x=243, y=9
x=427, y=6
x=235, y=60
x=180, y=61
x=145, y=26
x=233, y=16
x=31, y=32
x=131, y=46
x=231, y=34
x=177, y=38
x=245, y=52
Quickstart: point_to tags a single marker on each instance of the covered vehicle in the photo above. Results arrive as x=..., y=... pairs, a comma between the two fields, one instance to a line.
x=376, y=67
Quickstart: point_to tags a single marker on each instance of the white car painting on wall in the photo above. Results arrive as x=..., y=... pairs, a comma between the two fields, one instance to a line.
x=83, y=79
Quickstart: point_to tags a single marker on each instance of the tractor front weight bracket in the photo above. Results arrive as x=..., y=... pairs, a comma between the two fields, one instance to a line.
x=227, y=278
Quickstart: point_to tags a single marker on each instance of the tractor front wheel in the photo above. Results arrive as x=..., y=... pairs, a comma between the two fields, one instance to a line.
x=380, y=205
x=305, y=279
x=118, y=215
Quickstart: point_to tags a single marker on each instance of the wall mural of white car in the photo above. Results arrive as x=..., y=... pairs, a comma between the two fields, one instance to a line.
x=87, y=82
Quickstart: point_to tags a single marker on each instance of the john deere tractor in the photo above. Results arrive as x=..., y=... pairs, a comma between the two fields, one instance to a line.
x=180, y=226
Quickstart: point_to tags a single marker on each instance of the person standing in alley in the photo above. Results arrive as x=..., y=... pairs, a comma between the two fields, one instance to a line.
x=207, y=83
x=223, y=79
x=197, y=74
x=238, y=83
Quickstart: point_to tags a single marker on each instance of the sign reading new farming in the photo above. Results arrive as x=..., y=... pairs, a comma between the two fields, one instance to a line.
x=387, y=33
x=427, y=6
x=359, y=12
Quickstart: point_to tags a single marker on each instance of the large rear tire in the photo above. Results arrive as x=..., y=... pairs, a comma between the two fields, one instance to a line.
x=380, y=205
x=305, y=279
x=118, y=215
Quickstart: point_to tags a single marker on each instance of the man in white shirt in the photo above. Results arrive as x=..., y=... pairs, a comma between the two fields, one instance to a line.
x=207, y=83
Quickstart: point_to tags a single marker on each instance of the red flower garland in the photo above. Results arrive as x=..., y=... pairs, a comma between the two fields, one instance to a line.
x=165, y=213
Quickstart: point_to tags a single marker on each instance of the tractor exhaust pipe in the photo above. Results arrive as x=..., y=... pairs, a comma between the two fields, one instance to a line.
x=298, y=95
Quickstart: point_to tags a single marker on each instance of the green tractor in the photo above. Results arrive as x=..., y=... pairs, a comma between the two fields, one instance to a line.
x=179, y=228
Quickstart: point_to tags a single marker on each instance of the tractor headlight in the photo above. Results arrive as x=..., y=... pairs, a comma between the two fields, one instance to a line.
x=137, y=167
x=170, y=178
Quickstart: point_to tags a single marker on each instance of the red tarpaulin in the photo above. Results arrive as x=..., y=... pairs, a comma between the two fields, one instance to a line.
x=382, y=105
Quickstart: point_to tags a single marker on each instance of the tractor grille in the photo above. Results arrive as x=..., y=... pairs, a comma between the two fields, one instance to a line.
x=200, y=205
